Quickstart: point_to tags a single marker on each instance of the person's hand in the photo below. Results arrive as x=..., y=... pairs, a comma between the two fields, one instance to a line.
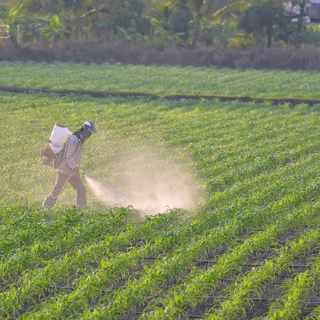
x=76, y=169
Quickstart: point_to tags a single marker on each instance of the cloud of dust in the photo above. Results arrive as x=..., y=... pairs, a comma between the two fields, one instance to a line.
x=149, y=181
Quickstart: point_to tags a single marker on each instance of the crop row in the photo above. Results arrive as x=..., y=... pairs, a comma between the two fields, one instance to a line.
x=257, y=164
x=40, y=280
x=32, y=283
x=198, y=287
x=296, y=293
x=239, y=295
x=266, y=140
x=269, y=187
x=137, y=292
x=30, y=232
x=160, y=79
x=70, y=237
x=185, y=253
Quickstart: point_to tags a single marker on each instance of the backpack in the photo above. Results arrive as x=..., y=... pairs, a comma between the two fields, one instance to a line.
x=53, y=154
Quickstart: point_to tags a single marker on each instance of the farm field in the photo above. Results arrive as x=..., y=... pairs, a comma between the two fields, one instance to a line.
x=161, y=80
x=234, y=228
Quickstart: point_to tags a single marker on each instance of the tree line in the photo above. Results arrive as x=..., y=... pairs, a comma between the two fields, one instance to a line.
x=160, y=23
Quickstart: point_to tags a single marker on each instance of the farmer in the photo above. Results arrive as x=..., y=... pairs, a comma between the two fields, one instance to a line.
x=69, y=169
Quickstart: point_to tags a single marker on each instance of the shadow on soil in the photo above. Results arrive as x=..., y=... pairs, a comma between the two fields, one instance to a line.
x=103, y=94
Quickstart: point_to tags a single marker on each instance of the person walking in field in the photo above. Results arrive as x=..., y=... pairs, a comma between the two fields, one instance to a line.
x=69, y=168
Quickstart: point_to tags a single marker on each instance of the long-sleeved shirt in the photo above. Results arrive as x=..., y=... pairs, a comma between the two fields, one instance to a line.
x=72, y=155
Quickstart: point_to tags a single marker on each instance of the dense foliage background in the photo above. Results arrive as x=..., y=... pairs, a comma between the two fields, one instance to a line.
x=235, y=34
x=161, y=23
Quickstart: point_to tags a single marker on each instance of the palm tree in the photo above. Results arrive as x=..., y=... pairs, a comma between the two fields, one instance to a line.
x=201, y=13
x=160, y=14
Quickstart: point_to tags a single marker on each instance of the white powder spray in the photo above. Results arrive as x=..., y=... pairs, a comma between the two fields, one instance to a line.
x=148, y=182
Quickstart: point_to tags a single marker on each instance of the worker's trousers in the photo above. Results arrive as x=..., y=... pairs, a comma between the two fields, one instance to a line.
x=61, y=182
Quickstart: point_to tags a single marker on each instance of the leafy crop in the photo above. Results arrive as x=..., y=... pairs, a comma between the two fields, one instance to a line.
x=162, y=80
x=248, y=247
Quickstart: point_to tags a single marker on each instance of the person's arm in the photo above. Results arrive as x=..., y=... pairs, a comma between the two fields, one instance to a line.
x=71, y=151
